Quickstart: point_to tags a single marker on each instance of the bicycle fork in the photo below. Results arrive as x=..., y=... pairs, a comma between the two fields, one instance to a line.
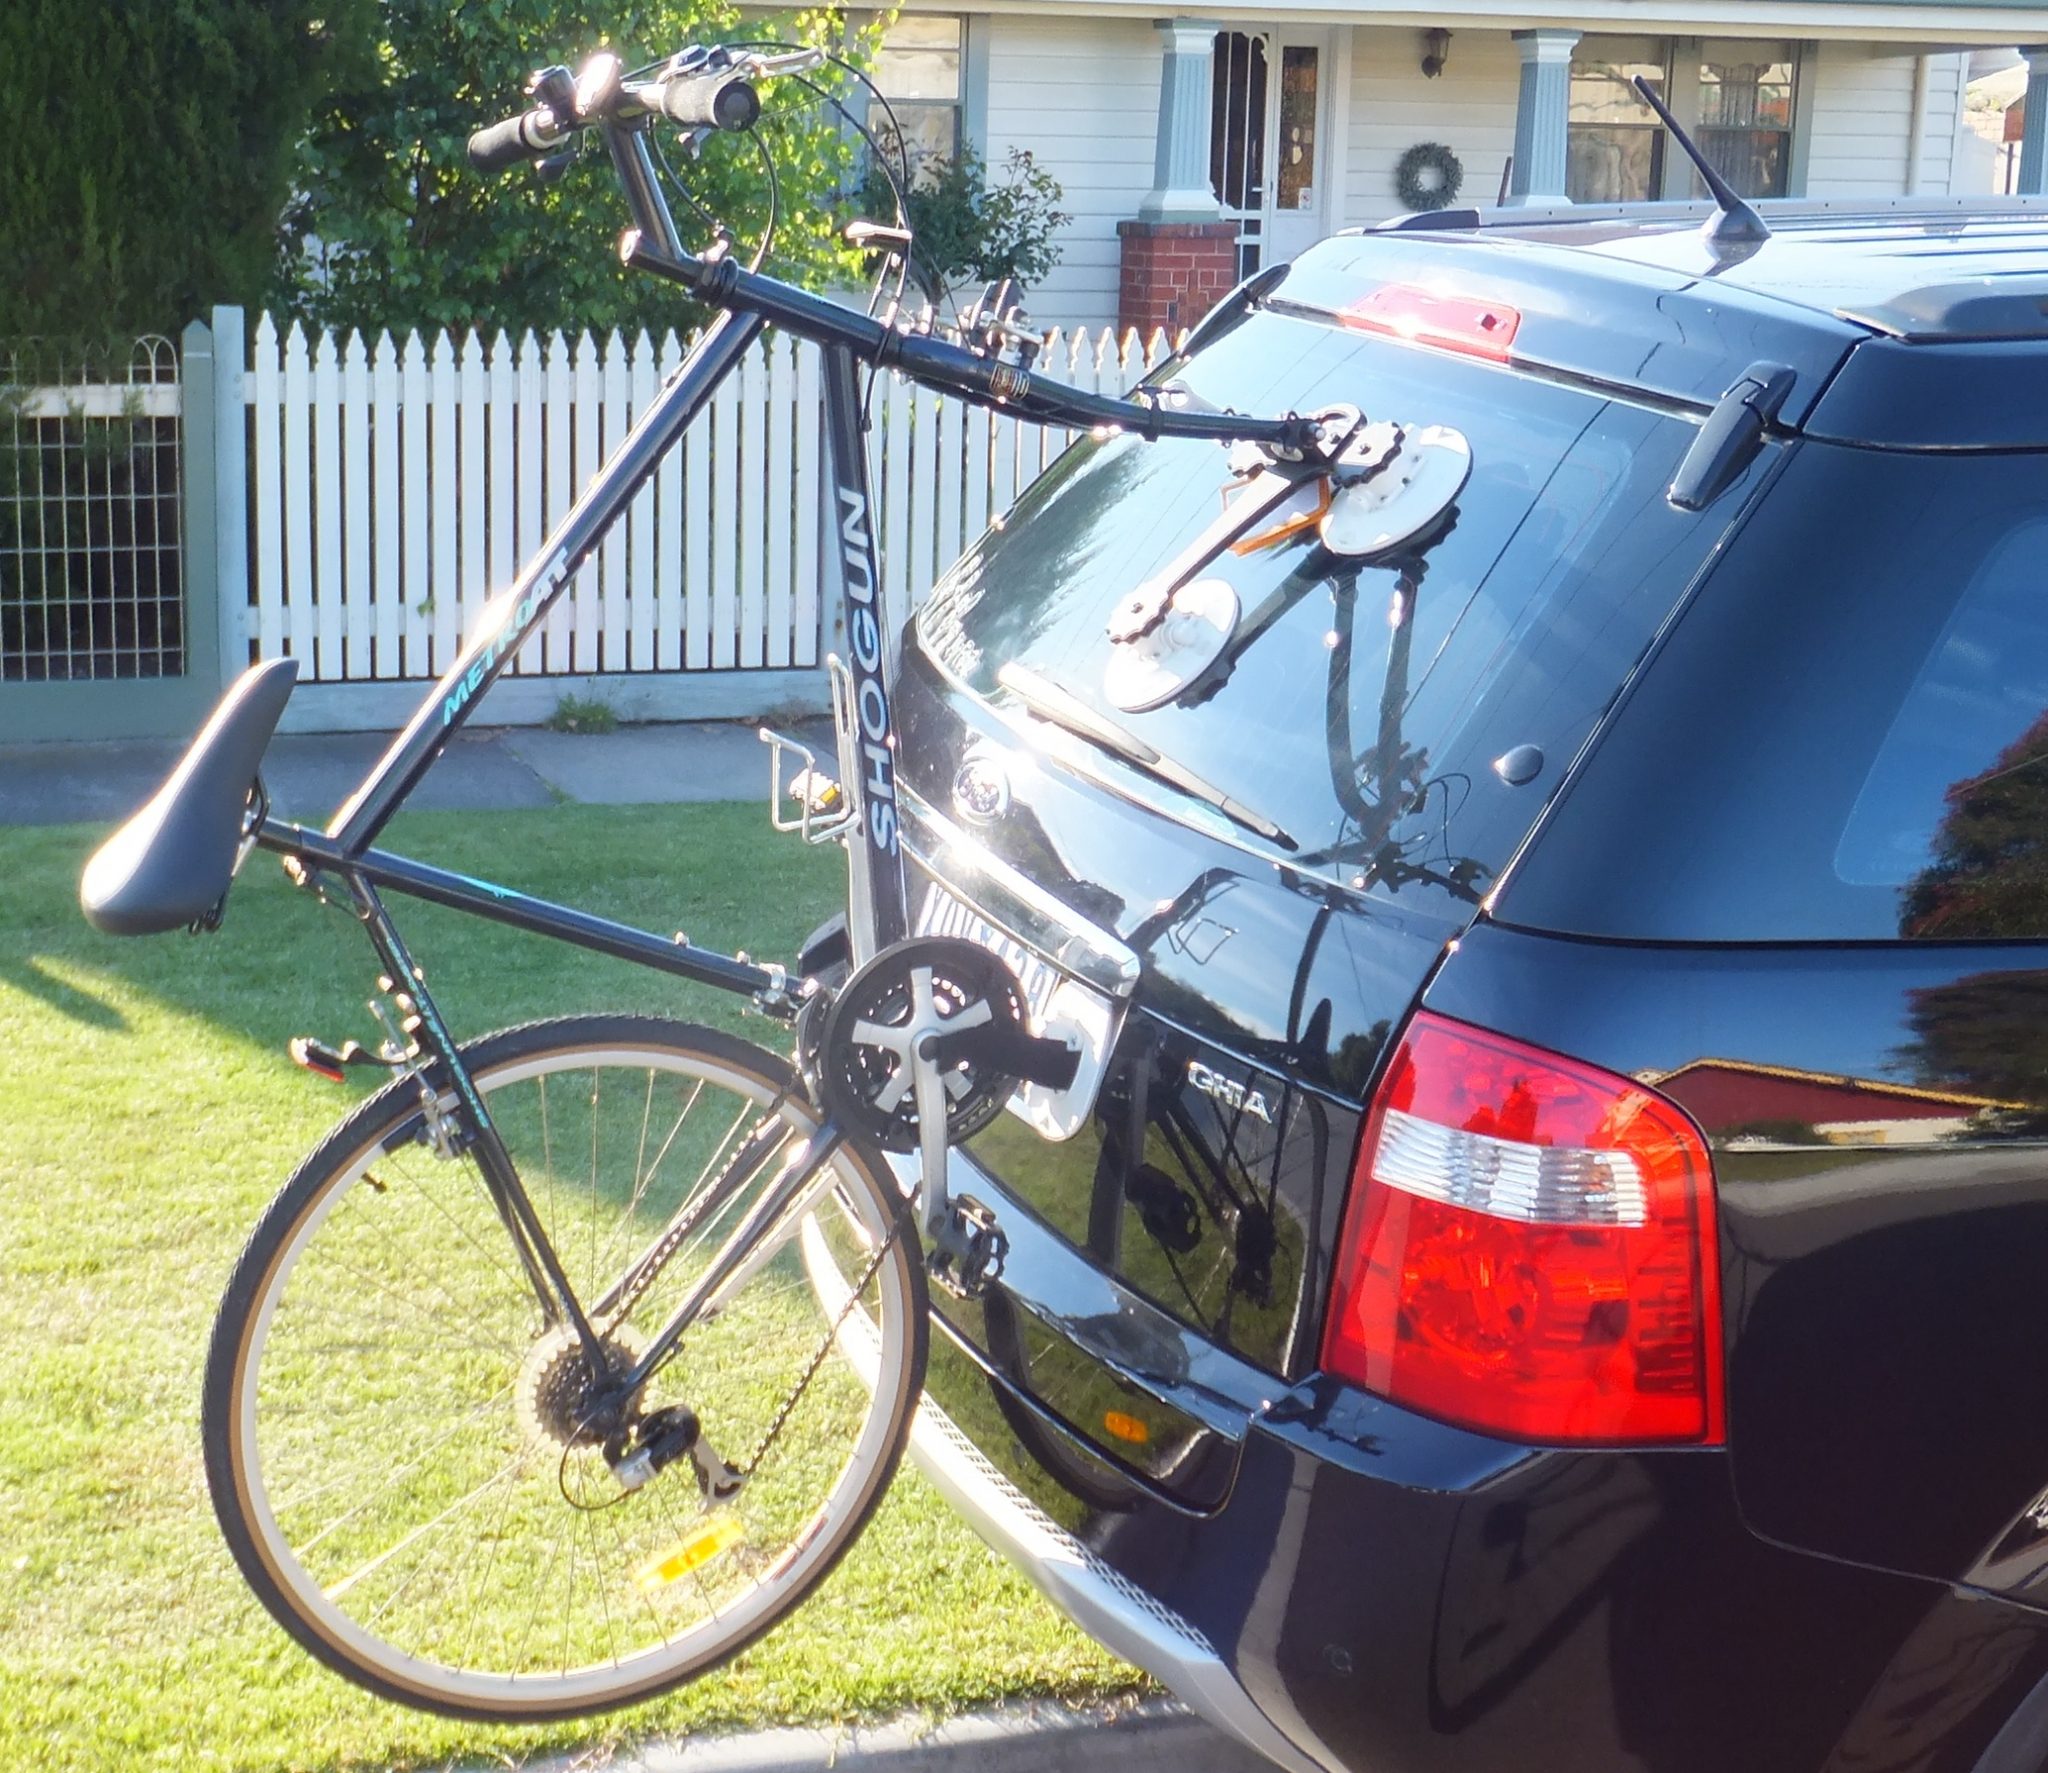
x=474, y=1134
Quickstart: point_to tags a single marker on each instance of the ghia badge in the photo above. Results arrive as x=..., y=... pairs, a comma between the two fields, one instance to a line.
x=1228, y=1091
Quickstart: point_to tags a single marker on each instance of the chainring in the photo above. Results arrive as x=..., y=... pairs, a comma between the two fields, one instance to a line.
x=862, y=1055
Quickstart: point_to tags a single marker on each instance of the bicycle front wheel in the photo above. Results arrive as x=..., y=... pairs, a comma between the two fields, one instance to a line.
x=397, y=1437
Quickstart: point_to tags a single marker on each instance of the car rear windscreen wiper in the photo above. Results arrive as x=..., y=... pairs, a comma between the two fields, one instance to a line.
x=1067, y=711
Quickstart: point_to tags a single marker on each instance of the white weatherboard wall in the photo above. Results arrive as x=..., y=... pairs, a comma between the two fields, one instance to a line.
x=1862, y=115
x=1470, y=107
x=1083, y=96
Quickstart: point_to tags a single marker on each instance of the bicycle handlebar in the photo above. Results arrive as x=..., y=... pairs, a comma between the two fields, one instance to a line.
x=710, y=101
x=721, y=99
x=712, y=90
x=530, y=136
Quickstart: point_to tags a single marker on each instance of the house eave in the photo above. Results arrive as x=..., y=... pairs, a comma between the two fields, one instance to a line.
x=1996, y=23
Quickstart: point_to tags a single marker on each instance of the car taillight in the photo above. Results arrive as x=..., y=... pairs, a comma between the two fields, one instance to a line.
x=1529, y=1249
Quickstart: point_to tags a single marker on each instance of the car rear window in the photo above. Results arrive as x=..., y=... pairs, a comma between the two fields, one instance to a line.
x=1847, y=736
x=1364, y=728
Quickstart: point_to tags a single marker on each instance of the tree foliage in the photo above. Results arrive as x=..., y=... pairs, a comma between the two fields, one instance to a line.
x=1989, y=872
x=150, y=153
x=393, y=227
x=968, y=226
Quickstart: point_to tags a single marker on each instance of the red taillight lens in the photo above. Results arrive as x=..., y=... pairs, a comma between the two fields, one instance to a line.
x=1529, y=1249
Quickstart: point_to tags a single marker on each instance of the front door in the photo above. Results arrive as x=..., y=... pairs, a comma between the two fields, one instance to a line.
x=1267, y=148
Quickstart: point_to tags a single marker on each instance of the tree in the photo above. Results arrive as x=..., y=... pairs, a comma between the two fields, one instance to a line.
x=158, y=192
x=394, y=228
x=1989, y=872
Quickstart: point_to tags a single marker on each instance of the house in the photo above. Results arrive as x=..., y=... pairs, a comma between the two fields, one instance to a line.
x=1195, y=147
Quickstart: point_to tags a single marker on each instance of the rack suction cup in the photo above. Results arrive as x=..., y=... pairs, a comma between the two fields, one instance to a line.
x=1404, y=499
x=1158, y=665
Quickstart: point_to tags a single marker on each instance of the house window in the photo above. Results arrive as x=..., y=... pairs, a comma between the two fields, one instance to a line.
x=1614, y=143
x=1736, y=97
x=1746, y=114
x=918, y=70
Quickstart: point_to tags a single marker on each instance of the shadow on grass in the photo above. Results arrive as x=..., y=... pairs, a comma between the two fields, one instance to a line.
x=282, y=965
x=33, y=978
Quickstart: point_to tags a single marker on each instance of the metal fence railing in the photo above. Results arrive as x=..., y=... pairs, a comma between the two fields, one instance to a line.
x=91, y=546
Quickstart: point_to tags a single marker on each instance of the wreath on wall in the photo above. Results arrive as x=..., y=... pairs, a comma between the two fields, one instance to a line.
x=1428, y=176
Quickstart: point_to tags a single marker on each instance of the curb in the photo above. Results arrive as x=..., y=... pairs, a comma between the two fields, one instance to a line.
x=1158, y=1736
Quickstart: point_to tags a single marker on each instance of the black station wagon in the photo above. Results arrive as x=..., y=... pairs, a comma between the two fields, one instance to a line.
x=1545, y=1263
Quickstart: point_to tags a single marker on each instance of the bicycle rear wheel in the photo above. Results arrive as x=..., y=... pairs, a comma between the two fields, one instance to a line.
x=396, y=1441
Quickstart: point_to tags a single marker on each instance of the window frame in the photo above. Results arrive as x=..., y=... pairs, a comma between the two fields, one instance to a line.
x=966, y=131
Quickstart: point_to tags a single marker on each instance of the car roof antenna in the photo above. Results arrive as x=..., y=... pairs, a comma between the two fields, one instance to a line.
x=1737, y=225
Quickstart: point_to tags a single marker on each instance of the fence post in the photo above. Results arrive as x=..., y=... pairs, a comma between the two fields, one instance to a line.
x=197, y=449
x=231, y=489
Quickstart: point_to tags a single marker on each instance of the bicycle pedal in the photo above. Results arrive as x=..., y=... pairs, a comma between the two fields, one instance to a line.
x=968, y=1249
x=329, y=1062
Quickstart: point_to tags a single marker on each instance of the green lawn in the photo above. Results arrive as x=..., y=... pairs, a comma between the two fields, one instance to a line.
x=147, y=1111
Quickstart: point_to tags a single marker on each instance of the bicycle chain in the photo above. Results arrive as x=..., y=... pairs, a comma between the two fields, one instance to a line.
x=789, y=1404
x=658, y=1258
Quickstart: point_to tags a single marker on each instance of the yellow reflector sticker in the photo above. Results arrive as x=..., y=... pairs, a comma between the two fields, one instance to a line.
x=1126, y=1428
x=691, y=1552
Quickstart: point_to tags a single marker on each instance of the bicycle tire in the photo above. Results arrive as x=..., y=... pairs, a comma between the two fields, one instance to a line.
x=304, y=1381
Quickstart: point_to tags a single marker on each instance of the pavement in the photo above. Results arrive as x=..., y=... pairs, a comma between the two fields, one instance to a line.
x=1158, y=1736
x=309, y=774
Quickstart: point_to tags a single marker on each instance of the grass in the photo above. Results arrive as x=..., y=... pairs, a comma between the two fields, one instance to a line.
x=147, y=1112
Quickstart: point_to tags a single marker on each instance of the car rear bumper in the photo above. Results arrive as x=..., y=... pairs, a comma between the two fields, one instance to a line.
x=1108, y=1606
x=1379, y=1593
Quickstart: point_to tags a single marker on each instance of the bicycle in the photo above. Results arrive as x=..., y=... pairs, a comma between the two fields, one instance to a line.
x=536, y=1275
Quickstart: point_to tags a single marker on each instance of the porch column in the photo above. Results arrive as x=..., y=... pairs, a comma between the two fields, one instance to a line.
x=1180, y=159
x=1178, y=255
x=2033, y=179
x=1541, y=115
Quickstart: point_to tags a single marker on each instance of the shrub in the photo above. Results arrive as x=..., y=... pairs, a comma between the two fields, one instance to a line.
x=967, y=227
x=151, y=153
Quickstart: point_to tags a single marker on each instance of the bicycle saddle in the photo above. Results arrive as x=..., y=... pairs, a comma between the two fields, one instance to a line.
x=168, y=866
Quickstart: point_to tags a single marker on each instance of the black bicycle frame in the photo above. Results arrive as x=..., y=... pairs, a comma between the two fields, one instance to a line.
x=748, y=302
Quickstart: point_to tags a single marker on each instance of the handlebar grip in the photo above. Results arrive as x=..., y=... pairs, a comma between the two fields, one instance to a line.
x=710, y=101
x=528, y=136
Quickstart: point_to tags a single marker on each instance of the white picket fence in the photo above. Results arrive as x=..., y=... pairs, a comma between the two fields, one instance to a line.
x=395, y=486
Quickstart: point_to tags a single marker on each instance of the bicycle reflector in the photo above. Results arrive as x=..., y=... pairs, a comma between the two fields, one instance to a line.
x=1451, y=323
x=1528, y=1249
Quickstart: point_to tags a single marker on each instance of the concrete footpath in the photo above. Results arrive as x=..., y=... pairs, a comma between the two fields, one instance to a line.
x=308, y=775
x=1158, y=1736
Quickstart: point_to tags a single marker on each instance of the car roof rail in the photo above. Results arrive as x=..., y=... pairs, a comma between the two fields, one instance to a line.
x=1417, y=221
x=1959, y=207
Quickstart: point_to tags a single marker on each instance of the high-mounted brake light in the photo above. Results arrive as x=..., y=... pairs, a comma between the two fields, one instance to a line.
x=1451, y=323
x=1529, y=1249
